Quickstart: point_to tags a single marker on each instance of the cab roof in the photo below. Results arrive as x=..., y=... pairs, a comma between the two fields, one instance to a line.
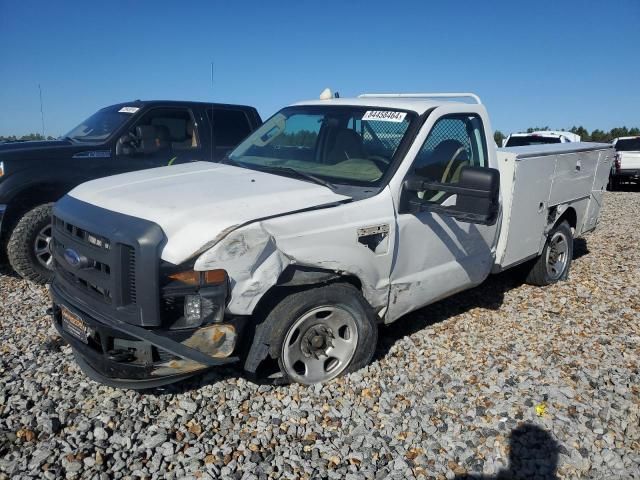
x=175, y=103
x=418, y=105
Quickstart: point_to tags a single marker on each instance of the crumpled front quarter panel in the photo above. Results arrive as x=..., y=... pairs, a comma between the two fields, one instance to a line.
x=328, y=238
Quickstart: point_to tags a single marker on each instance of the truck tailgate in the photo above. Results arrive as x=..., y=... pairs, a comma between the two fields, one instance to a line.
x=629, y=160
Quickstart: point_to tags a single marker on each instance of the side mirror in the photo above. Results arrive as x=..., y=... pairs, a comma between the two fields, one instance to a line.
x=477, y=196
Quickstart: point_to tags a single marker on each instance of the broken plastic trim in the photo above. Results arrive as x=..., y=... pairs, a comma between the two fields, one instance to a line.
x=184, y=350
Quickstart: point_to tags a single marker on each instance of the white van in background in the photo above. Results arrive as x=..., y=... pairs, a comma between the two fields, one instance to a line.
x=540, y=137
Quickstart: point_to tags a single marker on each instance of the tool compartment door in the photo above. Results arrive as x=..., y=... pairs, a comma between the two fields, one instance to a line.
x=574, y=177
x=605, y=161
x=532, y=187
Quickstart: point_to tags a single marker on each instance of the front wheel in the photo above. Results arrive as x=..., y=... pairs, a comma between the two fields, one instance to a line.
x=554, y=263
x=29, y=245
x=321, y=333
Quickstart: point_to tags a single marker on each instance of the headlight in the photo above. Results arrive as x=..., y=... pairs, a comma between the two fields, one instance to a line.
x=195, y=298
x=192, y=308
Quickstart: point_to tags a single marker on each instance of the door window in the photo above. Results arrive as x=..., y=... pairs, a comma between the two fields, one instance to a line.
x=162, y=133
x=455, y=142
x=230, y=126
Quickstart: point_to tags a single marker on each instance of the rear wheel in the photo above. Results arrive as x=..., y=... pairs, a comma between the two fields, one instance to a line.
x=29, y=245
x=554, y=263
x=321, y=333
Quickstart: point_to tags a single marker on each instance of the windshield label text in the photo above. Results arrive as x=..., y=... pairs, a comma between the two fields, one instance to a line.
x=128, y=110
x=384, y=116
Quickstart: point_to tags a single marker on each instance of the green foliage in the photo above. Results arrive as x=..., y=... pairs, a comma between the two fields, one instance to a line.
x=498, y=136
x=583, y=132
x=301, y=138
x=596, y=136
x=537, y=129
x=600, y=136
x=24, y=138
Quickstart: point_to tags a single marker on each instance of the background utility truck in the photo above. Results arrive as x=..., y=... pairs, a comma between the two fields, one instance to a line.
x=334, y=216
x=540, y=137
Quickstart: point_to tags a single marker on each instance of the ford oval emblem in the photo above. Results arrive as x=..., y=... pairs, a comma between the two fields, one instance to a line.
x=73, y=258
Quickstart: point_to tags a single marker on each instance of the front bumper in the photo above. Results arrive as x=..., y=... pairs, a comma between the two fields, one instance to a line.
x=123, y=355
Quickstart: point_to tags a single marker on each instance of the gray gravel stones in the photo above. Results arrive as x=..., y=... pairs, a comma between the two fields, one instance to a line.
x=506, y=379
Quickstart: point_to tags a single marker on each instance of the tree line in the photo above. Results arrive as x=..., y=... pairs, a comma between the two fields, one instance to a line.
x=595, y=136
x=24, y=138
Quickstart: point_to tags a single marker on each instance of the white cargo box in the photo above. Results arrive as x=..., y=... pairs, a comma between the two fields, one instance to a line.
x=544, y=177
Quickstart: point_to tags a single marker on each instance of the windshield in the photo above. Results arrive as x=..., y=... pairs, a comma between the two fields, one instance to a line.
x=531, y=140
x=628, y=145
x=340, y=144
x=99, y=126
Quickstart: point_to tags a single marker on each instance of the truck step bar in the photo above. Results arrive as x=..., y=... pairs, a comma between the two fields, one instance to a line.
x=422, y=95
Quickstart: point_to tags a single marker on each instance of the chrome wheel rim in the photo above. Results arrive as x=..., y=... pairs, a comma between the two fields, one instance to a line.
x=42, y=247
x=320, y=345
x=557, y=255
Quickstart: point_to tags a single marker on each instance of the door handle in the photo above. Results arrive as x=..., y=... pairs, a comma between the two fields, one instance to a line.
x=578, y=166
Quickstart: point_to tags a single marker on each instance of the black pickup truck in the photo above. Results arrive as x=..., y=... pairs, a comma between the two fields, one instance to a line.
x=116, y=139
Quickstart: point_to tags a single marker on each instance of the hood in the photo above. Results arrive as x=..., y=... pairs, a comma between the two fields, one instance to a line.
x=40, y=150
x=33, y=145
x=197, y=204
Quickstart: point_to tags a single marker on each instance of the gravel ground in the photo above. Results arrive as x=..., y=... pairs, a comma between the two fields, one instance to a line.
x=505, y=381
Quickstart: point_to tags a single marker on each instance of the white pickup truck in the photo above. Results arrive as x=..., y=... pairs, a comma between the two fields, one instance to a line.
x=336, y=215
x=626, y=161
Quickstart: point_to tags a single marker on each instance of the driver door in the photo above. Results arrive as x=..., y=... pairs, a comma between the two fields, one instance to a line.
x=438, y=255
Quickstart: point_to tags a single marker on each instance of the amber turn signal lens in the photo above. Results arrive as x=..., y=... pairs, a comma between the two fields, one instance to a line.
x=190, y=277
x=215, y=277
x=210, y=277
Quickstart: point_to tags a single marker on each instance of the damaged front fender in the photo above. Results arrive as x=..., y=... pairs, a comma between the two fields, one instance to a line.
x=251, y=257
x=329, y=240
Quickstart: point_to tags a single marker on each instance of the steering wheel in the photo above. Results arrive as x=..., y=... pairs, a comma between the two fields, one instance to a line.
x=127, y=144
x=380, y=161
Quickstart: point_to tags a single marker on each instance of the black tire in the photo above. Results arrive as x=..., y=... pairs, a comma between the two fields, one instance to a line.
x=344, y=298
x=614, y=183
x=542, y=272
x=22, y=243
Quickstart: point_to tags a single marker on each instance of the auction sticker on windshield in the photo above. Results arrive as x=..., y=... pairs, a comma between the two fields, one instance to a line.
x=384, y=116
x=128, y=110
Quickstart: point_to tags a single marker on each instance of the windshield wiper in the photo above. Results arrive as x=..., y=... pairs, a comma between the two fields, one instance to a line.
x=226, y=160
x=298, y=173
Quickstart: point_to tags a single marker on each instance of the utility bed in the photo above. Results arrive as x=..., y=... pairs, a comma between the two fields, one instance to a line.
x=548, y=179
